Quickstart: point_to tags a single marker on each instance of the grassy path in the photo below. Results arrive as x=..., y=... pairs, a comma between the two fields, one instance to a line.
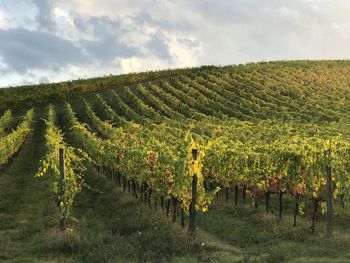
x=264, y=239
x=108, y=225
x=25, y=207
x=114, y=227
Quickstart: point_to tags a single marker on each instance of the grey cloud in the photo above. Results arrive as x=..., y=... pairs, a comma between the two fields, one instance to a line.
x=106, y=44
x=157, y=45
x=107, y=49
x=142, y=18
x=98, y=26
x=192, y=43
x=44, y=16
x=44, y=79
x=23, y=49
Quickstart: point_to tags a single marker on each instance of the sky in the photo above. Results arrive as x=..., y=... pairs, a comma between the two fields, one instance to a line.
x=45, y=41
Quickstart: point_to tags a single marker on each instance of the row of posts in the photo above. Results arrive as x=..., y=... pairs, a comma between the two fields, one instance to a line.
x=192, y=212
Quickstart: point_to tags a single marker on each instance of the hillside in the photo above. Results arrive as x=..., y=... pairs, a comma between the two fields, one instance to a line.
x=301, y=90
x=259, y=152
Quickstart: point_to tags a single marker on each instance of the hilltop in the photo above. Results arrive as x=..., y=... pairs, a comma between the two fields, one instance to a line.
x=300, y=90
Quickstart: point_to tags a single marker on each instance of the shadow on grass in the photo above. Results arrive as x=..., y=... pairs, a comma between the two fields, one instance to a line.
x=113, y=227
x=264, y=239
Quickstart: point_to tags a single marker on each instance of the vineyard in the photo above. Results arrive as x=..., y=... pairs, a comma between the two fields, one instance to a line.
x=268, y=139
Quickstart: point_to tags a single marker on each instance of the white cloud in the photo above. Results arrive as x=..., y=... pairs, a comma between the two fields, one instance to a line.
x=184, y=51
x=7, y=21
x=132, y=64
x=63, y=13
x=107, y=7
x=342, y=29
x=4, y=23
x=3, y=65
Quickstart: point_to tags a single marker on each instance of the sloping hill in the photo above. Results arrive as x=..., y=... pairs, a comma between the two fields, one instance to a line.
x=301, y=90
x=179, y=141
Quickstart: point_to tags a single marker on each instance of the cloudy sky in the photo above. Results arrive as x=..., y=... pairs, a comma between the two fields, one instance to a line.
x=54, y=40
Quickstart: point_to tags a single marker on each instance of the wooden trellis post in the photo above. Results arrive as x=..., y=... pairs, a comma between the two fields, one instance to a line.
x=329, y=198
x=61, y=190
x=193, y=215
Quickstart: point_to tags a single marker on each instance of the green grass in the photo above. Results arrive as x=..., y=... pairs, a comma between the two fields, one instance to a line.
x=26, y=211
x=108, y=225
x=114, y=227
x=263, y=238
